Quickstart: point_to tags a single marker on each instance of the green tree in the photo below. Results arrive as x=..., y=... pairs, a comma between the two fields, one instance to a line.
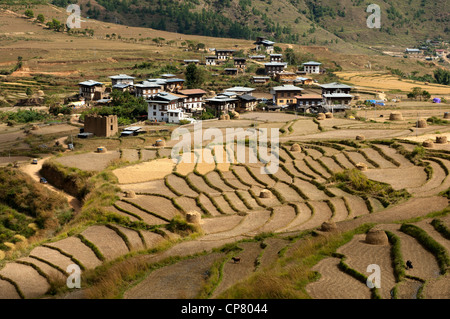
x=29, y=13
x=194, y=76
x=29, y=92
x=41, y=18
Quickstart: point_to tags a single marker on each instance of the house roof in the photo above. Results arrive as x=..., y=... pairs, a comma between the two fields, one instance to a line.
x=265, y=42
x=221, y=98
x=239, y=89
x=275, y=64
x=163, y=97
x=335, y=85
x=412, y=50
x=312, y=63
x=337, y=95
x=174, y=80
x=90, y=83
x=286, y=87
x=168, y=75
x=121, y=77
x=211, y=57
x=121, y=85
x=225, y=50
x=257, y=56
x=194, y=60
x=247, y=97
x=276, y=54
x=147, y=84
x=308, y=97
x=240, y=59
x=192, y=92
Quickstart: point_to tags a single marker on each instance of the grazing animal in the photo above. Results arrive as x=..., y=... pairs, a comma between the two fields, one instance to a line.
x=409, y=264
x=236, y=259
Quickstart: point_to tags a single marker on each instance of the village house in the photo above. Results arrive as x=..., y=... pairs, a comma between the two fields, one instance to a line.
x=275, y=57
x=121, y=79
x=173, y=85
x=147, y=89
x=273, y=68
x=211, y=60
x=231, y=71
x=336, y=96
x=306, y=101
x=285, y=95
x=312, y=67
x=223, y=55
x=103, y=126
x=262, y=44
x=257, y=57
x=91, y=90
x=260, y=79
x=161, y=104
x=222, y=104
x=195, y=61
x=440, y=52
x=193, y=101
x=285, y=76
x=413, y=51
x=240, y=90
x=240, y=63
x=246, y=103
x=303, y=81
x=168, y=76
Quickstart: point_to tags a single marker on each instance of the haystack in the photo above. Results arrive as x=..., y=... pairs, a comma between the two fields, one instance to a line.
x=224, y=117
x=160, y=143
x=421, y=123
x=361, y=166
x=40, y=93
x=35, y=127
x=360, y=137
x=329, y=115
x=428, y=143
x=441, y=139
x=101, y=149
x=321, y=116
x=396, y=116
x=295, y=148
x=446, y=115
x=328, y=226
x=2, y=255
x=265, y=193
x=377, y=237
x=193, y=217
x=130, y=194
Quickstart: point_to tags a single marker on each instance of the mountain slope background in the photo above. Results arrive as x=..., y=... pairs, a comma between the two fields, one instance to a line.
x=305, y=22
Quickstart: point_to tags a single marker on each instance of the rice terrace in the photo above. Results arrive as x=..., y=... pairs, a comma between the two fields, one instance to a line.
x=102, y=197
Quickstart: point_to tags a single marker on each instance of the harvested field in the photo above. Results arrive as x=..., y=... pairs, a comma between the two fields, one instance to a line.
x=180, y=186
x=283, y=176
x=233, y=273
x=310, y=190
x=200, y=184
x=270, y=253
x=220, y=224
x=317, y=167
x=205, y=164
x=204, y=200
x=334, y=284
x=302, y=167
x=188, y=204
x=156, y=204
x=7, y=290
x=341, y=212
x=236, y=201
x=312, y=153
x=249, y=199
x=433, y=233
x=264, y=178
x=288, y=193
x=223, y=205
x=231, y=179
x=113, y=210
x=147, y=155
x=436, y=180
x=344, y=161
x=377, y=158
x=350, y=134
x=50, y=271
x=183, y=279
x=245, y=176
x=331, y=164
x=89, y=161
x=360, y=254
x=165, y=152
x=133, y=237
x=408, y=289
x=302, y=217
x=130, y=155
x=304, y=126
x=144, y=172
x=27, y=278
x=357, y=205
x=151, y=187
x=214, y=179
x=74, y=247
x=391, y=152
x=146, y=218
x=376, y=204
x=425, y=265
x=414, y=176
x=281, y=217
x=358, y=158
x=52, y=256
x=151, y=239
x=437, y=288
x=268, y=202
x=322, y=213
x=106, y=240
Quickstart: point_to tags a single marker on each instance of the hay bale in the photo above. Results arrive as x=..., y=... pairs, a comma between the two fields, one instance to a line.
x=446, y=115
x=160, y=143
x=2, y=255
x=329, y=115
x=396, y=116
x=328, y=226
x=193, y=217
x=101, y=149
x=130, y=194
x=377, y=237
x=441, y=139
x=321, y=116
x=421, y=123
x=265, y=193
x=360, y=137
x=361, y=166
x=295, y=148
x=222, y=117
x=428, y=143
x=35, y=127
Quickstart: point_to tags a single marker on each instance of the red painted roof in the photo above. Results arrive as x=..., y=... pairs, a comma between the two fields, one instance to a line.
x=192, y=91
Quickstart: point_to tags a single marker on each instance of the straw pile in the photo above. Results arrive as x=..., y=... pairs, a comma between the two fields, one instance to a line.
x=193, y=217
x=35, y=127
x=377, y=237
x=101, y=149
x=265, y=193
x=441, y=139
x=328, y=226
x=446, y=115
x=321, y=116
x=428, y=143
x=360, y=137
x=224, y=117
x=421, y=123
x=361, y=166
x=396, y=116
x=329, y=115
x=160, y=143
x=130, y=194
x=295, y=148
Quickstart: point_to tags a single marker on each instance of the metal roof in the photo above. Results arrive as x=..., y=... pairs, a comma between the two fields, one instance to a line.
x=337, y=95
x=312, y=63
x=335, y=85
x=286, y=87
x=239, y=89
x=90, y=83
x=121, y=77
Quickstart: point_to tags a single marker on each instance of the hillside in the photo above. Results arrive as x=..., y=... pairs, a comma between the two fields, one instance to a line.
x=290, y=21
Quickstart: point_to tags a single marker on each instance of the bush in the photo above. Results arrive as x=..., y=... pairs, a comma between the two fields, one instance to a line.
x=29, y=13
